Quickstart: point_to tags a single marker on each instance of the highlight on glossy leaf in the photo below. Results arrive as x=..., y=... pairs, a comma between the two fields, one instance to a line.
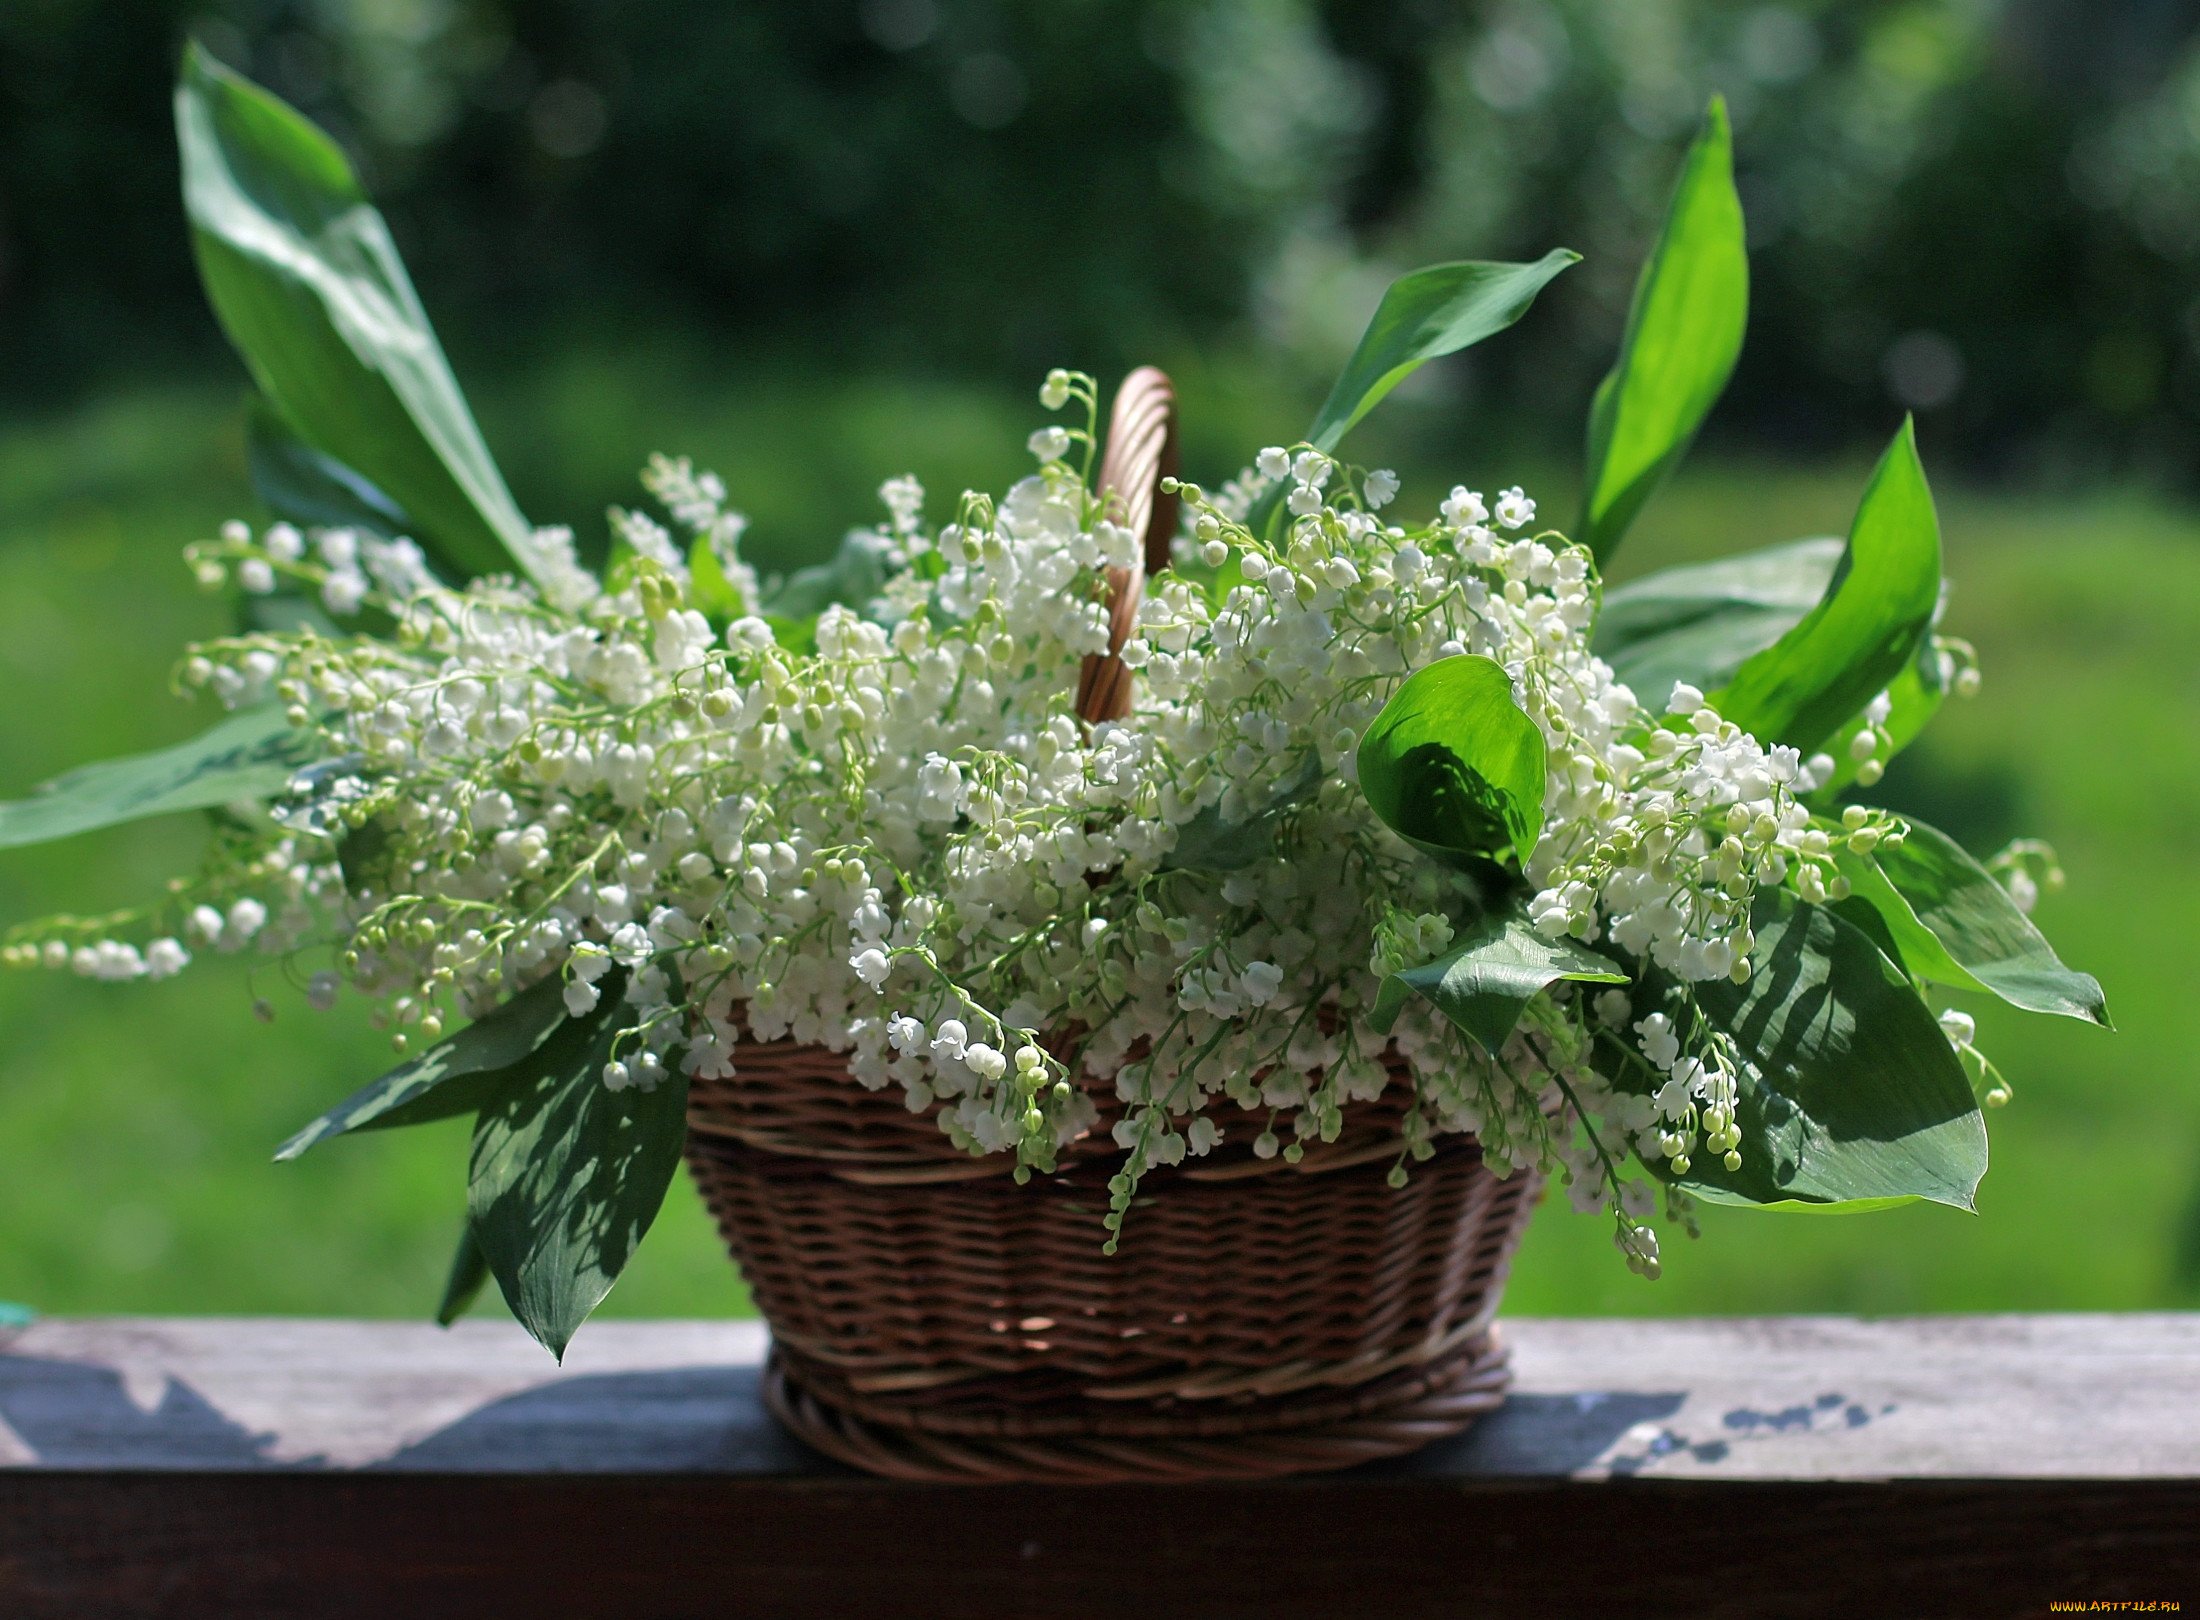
x=1454, y=764
x=251, y=755
x=1876, y=613
x=306, y=281
x=1683, y=335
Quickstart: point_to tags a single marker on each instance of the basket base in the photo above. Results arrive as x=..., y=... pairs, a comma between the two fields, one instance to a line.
x=1093, y=1442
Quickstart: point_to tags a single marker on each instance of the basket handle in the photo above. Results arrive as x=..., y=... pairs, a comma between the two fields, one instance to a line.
x=1141, y=451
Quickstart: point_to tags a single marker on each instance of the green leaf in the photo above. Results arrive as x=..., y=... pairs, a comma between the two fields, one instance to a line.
x=1876, y=906
x=1453, y=764
x=304, y=276
x=1485, y=980
x=1849, y=1090
x=250, y=755
x=1981, y=932
x=568, y=1175
x=1436, y=310
x=1684, y=333
x=309, y=487
x=1425, y=314
x=469, y=1270
x=1208, y=843
x=1914, y=697
x=1702, y=622
x=854, y=575
x=359, y=851
x=1877, y=610
x=710, y=592
x=457, y=1075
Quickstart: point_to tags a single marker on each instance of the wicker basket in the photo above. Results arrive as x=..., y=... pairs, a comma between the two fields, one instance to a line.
x=932, y=1320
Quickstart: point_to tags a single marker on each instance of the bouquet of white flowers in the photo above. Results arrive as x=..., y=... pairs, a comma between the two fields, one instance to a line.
x=1063, y=823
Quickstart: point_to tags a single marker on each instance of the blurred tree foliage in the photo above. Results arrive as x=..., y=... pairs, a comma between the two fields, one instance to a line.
x=1986, y=210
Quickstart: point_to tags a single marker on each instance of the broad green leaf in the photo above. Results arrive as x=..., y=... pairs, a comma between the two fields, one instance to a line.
x=1425, y=314
x=1700, y=623
x=250, y=755
x=308, y=284
x=469, y=1270
x=1849, y=1089
x=1208, y=843
x=309, y=487
x=710, y=592
x=1914, y=697
x=1876, y=906
x=568, y=1175
x=853, y=577
x=1981, y=930
x=1453, y=764
x=457, y=1075
x=1684, y=333
x=1436, y=310
x=1876, y=612
x=1482, y=983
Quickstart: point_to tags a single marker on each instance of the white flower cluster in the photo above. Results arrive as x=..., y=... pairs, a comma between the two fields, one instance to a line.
x=904, y=845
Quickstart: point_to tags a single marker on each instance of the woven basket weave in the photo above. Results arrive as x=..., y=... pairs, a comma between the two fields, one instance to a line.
x=932, y=1320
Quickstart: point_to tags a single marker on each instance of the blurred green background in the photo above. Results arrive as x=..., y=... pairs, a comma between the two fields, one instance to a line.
x=813, y=247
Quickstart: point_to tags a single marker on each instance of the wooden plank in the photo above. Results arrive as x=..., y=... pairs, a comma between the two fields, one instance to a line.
x=1798, y=1398
x=479, y=1546
x=1953, y=1466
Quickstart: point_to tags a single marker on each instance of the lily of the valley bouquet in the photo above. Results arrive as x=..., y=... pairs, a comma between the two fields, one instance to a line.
x=1400, y=800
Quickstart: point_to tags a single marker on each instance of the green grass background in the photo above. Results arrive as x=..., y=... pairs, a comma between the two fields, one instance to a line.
x=136, y=1122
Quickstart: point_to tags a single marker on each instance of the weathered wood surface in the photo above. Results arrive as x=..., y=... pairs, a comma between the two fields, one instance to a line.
x=1791, y=1466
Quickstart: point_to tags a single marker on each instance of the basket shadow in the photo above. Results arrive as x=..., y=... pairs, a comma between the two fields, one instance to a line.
x=700, y=1419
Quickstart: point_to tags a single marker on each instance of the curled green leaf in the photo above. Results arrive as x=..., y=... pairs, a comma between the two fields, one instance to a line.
x=1454, y=764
